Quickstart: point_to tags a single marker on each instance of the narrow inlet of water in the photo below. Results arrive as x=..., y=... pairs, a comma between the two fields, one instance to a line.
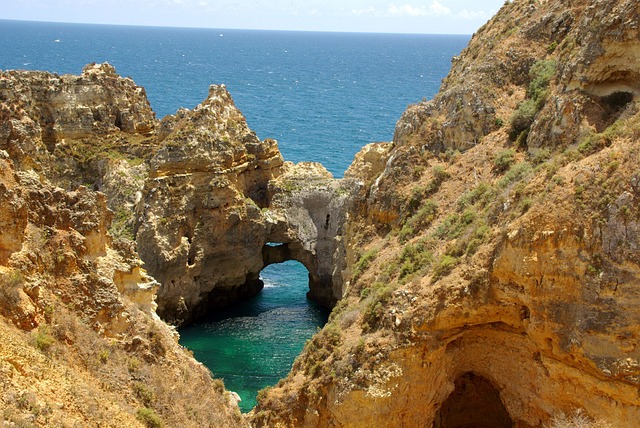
x=253, y=344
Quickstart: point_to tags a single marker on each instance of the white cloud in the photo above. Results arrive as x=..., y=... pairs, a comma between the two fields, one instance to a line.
x=368, y=11
x=435, y=9
x=472, y=14
x=407, y=9
x=439, y=9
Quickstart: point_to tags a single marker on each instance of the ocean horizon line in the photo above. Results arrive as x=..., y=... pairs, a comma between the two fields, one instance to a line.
x=270, y=30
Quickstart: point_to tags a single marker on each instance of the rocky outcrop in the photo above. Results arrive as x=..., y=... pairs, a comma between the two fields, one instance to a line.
x=40, y=110
x=95, y=130
x=80, y=342
x=220, y=205
x=306, y=218
x=200, y=223
x=492, y=262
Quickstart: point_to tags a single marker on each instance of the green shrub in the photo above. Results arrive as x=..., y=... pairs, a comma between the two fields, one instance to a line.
x=407, y=232
x=103, y=356
x=521, y=140
x=10, y=284
x=443, y=267
x=451, y=227
x=440, y=174
x=363, y=263
x=149, y=417
x=526, y=204
x=541, y=73
x=540, y=156
x=482, y=192
x=516, y=173
x=419, y=221
x=43, y=339
x=143, y=393
x=415, y=258
x=468, y=217
x=522, y=118
x=378, y=296
x=420, y=193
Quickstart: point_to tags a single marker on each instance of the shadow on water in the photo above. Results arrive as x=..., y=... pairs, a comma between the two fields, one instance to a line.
x=253, y=344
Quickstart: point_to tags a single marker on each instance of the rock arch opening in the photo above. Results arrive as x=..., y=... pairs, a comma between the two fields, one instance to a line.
x=474, y=403
x=320, y=285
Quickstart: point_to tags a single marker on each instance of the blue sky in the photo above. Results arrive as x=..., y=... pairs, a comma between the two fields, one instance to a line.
x=387, y=16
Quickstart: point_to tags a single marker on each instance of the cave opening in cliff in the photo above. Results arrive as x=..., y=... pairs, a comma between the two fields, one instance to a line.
x=474, y=403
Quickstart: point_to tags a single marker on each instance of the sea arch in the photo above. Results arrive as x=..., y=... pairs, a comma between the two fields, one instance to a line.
x=207, y=243
x=306, y=225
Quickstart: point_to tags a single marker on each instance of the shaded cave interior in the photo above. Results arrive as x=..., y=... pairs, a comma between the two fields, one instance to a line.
x=474, y=403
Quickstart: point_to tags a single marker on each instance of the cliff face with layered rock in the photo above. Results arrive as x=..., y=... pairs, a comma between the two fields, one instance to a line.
x=484, y=266
x=215, y=198
x=41, y=110
x=493, y=250
x=94, y=130
x=80, y=342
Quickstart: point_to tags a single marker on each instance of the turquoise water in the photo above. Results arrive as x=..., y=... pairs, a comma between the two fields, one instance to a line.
x=252, y=345
x=321, y=95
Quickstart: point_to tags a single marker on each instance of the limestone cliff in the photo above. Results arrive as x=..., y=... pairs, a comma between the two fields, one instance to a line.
x=96, y=129
x=492, y=254
x=484, y=265
x=42, y=110
x=220, y=205
x=80, y=343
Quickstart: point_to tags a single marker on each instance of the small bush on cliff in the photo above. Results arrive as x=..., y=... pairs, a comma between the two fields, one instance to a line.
x=319, y=348
x=42, y=339
x=522, y=118
x=149, y=417
x=504, y=159
x=10, y=284
x=419, y=221
x=143, y=393
x=482, y=193
x=541, y=73
x=415, y=258
x=375, y=299
x=516, y=173
x=444, y=267
x=420, y=193
x=363, y=262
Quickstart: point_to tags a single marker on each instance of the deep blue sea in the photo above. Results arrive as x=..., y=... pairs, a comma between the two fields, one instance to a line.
x=321, y=95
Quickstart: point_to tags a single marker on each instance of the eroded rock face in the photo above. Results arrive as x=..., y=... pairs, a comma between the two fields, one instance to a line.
x=37, y=215
x=40, y=109
x=216, y=196
x=519, y=282
x=77, y=319
x=307, y=214
x=200, y=224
